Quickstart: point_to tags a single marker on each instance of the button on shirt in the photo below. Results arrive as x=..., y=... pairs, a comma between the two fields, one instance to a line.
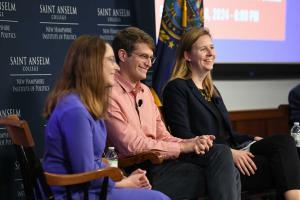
x=134, y=124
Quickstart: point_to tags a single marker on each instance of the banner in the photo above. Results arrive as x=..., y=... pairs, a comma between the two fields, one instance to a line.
x=34, y=38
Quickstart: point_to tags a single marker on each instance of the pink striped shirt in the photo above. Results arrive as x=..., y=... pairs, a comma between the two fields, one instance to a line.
x=134, y=124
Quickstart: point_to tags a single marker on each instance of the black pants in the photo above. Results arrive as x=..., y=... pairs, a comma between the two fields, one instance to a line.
x=278, y=165
x=191, y=176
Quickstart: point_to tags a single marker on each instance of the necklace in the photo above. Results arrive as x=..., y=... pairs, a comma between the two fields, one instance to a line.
x=204, y=94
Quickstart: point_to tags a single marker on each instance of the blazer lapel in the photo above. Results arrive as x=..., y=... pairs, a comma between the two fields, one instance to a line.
x=197, y=94
x=221, y=107
x=224, y=113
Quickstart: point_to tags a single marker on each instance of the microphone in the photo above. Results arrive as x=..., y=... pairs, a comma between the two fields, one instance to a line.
x=137, y=105
x=140, y=102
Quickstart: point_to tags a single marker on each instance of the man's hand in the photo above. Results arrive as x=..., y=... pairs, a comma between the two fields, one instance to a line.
x=199, y=144
x=243, y=161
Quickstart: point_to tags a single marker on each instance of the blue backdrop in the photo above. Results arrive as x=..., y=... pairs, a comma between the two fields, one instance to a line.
x=34, y=37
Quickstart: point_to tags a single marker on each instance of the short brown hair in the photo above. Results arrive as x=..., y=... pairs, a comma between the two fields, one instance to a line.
x=83, y=74
x=127, y=39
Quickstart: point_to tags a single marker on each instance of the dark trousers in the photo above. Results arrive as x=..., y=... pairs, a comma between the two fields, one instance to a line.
x=191, y=176
x=278, y=165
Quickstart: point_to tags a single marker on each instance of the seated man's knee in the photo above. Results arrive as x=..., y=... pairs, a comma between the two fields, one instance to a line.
x=222, y=150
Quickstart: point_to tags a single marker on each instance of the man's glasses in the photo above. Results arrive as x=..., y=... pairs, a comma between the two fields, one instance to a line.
x=145, y=57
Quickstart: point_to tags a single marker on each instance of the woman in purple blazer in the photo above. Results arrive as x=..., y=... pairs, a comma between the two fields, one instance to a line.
x=193, y=106
x=75, y=133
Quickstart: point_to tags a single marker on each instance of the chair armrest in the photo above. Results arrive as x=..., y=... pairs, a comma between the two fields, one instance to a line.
x=154, y=156
x=72, y=179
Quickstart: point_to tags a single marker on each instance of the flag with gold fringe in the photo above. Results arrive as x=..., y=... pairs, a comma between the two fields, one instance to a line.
x=178, y=17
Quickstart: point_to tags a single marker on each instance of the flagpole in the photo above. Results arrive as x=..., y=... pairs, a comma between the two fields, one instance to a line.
x=184, y=15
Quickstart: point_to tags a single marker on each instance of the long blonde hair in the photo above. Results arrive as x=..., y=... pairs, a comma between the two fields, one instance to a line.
x=83, y=74
x=181, y=68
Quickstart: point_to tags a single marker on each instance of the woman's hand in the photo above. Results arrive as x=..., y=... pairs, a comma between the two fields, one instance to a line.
x=243, y=161
x=257, y=138
x=137, y=179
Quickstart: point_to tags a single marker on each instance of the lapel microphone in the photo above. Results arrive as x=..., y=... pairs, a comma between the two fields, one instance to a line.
x=137, y=105
x=140, y=102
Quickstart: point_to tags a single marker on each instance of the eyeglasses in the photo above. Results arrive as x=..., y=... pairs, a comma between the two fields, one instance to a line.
x=145, y=57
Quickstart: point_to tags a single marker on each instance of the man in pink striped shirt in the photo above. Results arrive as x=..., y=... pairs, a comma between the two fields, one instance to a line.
x=194, y=166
